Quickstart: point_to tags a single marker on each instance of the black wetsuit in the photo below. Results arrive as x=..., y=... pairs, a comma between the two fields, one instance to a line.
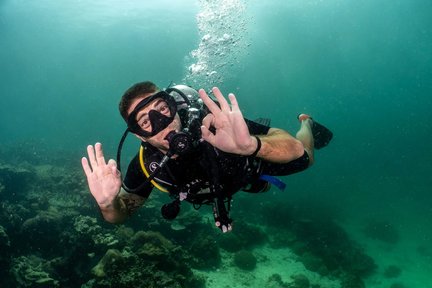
x=192, y=173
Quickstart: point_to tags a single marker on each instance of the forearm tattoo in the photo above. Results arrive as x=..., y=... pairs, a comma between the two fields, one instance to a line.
x=130, y=202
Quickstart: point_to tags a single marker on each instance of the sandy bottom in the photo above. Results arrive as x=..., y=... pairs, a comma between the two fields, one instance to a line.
x=270, y=261
x=412, y=254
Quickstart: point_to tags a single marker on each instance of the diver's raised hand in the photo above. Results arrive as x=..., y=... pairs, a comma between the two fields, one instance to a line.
x=231, y=132
x=103, y=178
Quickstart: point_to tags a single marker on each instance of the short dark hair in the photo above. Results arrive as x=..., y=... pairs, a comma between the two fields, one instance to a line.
x=134, y=92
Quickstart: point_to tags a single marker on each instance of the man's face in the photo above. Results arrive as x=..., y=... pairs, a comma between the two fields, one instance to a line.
x=144, y=122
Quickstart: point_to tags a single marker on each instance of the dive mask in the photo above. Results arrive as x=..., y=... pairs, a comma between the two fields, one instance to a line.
x=157, y=119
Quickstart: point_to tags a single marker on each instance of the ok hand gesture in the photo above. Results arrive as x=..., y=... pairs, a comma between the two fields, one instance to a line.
x=103, y=178
x=232, y=134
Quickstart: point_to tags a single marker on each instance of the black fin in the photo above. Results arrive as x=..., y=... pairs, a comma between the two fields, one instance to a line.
x=263, y=121
x=322, y=135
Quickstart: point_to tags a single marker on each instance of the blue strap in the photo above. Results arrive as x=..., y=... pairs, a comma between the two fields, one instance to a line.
x=273, y=180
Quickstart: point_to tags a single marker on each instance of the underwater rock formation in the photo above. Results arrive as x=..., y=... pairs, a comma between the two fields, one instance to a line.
x=150, y=260
x=87, y=226
x=14, y=180
x=112, y=257
x=4, y=241
x=29, y=272
x=41, y=229
x=5, y=252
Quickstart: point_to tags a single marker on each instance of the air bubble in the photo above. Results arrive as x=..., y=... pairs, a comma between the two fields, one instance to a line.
x=222, y=26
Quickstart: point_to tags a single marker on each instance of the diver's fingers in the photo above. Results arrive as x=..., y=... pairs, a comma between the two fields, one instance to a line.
x=113, y=165
x=208, y=120
x=112, y=162
x=207, y=135
x=211, y=105
x=86, y=166
x=234, y=103
x=99, y=154
x=91, y=156
x=221, y=99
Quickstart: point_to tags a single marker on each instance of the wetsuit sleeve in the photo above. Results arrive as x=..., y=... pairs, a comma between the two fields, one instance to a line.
x=135, y=177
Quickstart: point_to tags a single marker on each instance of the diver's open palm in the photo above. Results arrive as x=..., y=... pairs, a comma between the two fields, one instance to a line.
x=232, y=134
x=103, y=178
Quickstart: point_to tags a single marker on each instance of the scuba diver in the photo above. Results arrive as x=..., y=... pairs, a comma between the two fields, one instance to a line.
x=198, y=150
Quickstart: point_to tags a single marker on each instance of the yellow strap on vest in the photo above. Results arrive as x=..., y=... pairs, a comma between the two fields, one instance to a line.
x=141, y=158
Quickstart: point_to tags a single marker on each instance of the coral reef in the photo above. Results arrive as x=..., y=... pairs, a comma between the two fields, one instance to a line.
x=30, y=272
x=5, y=252
x=151, y=260
x=14, y=180
x=87, y=226
x=56, y=238
x=4, y=241
x=41, y=228
x=110, y=261
x=52, y=235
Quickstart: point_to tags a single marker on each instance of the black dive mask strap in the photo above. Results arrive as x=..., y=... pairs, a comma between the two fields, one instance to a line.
x=119, y=149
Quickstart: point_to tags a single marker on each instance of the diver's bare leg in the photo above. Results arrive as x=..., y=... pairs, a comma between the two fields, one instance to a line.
x=306, y=137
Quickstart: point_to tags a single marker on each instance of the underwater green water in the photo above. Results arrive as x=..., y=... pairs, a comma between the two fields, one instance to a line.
x=362, y=68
